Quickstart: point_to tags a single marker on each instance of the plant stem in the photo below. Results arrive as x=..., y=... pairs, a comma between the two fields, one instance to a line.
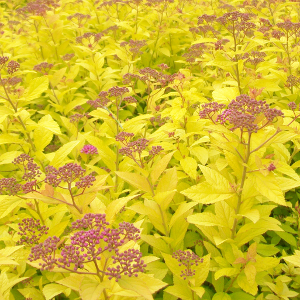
x=38, y=211
x=239, y=202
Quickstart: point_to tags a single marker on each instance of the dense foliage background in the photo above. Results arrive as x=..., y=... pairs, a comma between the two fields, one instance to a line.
x=149, y=149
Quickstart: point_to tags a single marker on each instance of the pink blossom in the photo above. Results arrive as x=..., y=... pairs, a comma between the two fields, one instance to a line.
x=89, y=149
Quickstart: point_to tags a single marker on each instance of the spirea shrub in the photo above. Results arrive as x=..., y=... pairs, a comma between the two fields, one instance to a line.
x=149, y=149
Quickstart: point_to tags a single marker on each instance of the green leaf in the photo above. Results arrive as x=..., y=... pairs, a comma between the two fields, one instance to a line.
x=241, y=296
x=289, y=238
x=267, y=250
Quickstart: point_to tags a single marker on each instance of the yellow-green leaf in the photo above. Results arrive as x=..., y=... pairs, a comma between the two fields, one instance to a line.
x=53, y=289
x=48, y=123
x=36, y=88
x=189, y=166
x=62, y=153
x=137, y=285
x=205, y=193
x=136, y=180
x=160, y=166
x=268, y=187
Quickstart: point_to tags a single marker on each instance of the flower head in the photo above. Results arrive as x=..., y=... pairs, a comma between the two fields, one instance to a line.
x=13, y=67
x=89, y=149
x=31, y=231
x=188, y=259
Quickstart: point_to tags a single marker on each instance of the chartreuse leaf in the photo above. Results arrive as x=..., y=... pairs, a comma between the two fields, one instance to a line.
x=221, y=296
x=182, y=209
x=91, y=289
x=250, y=230
x=267, y=250
x=265, y=263
x=293, y=259
x=7, y=281
x=153, y=284
x=225, y=95
x=107, y=155
x=137, y=285
x=115, y=206
x=202, y=271
x=51, y=290
x=8, y=204
x=136, y=180
x=268, y=187
x=48, y=123
x=180, y=289
x=241, y=296
x=157, y=243
x=10, y=139
x=226, y=272
x=168, y=182
x=205, y=219
x=62, y=153
x=173, y=265
x=42, y=138
x=57, y=76
x=32, y=293
x=245, y=285
x=160, y=167
x=73, y=281
x=205, y=193
x=214, y=178
x=163, y=199
x=36, y=88
x=189, y=166
x=201, y=153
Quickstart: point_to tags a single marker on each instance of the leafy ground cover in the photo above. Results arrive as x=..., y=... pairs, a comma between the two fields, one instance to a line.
x=149, y=149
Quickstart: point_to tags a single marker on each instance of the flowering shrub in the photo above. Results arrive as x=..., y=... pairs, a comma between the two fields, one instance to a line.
x=149, y=149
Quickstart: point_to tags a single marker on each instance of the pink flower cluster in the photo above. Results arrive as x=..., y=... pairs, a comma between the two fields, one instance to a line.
x=241, y=113
x=188, y=259
x=31, y=172
x=88, y=244
x=69, y=173
x=89, y=149
x=31, y=231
